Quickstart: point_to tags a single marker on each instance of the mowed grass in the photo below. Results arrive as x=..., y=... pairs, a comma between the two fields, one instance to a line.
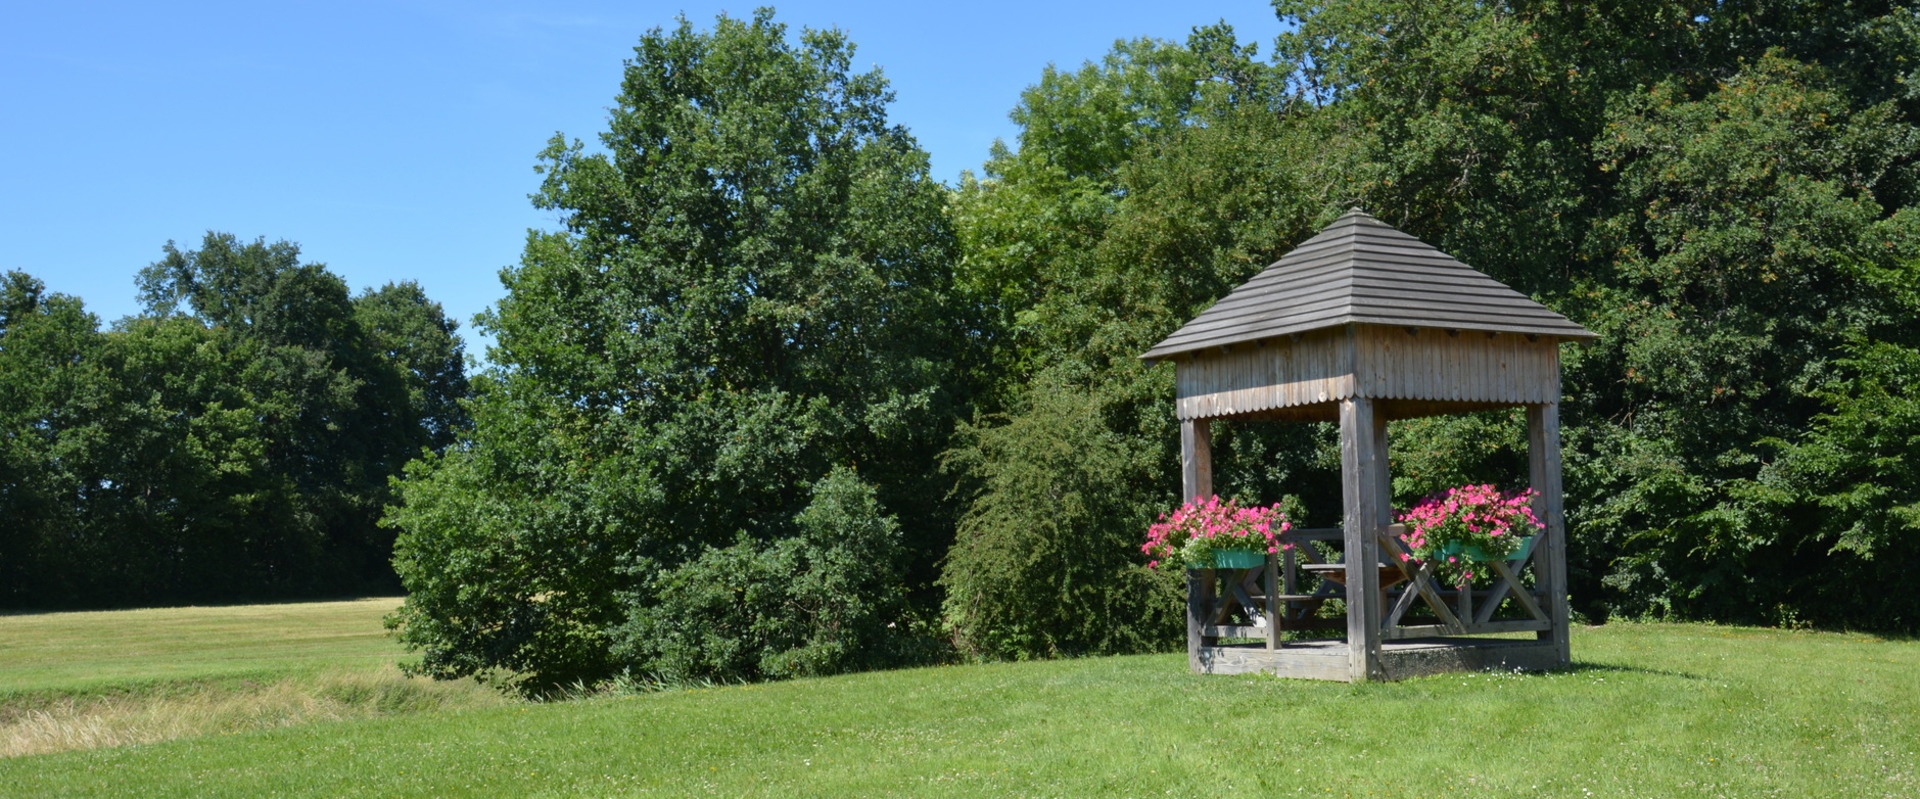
x=84, y=680
x=1650, y=710
x=115, y=650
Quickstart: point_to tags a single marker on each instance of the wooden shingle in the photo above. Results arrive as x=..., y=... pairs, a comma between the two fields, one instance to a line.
x=1360, y=270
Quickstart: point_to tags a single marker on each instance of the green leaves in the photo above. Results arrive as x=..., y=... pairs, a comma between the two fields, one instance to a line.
x=759, y=292
x=753, y=294
x=240, y=449
x=826, y=600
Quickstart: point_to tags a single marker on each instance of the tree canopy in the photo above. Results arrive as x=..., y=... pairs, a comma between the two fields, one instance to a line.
x=707, y=446
x=233, y=442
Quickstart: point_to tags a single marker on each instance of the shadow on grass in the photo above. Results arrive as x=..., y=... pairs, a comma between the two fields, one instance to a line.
x=1586, y=667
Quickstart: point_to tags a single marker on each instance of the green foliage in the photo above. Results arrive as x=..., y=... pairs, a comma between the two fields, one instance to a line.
x=1047, y=559
x=508, y=548
x=1745, y=218
x=1089, y=267
x=240, y=451
x=1716, y=190
x=411, y=332
x=752, y=293
x=759, y=293
x=824, y=601
x=47, y=380
x=1703, y=185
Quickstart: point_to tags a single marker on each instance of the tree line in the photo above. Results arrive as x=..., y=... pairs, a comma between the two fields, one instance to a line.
x=233, y=441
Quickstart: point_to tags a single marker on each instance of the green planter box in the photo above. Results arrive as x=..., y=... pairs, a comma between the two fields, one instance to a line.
x=1238, y=559
x=1473, y=553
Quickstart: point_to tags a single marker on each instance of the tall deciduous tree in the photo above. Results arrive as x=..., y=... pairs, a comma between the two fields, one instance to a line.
x=747, y=325
x=48, y=377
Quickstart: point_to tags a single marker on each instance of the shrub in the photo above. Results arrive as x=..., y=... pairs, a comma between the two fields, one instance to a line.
x=830, y=599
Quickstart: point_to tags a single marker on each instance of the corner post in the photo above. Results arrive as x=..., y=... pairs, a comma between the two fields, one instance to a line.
x=1363, y=479
x=1196, y=458
x=1550, y=560
x=1196, y=482
x=1200, y=597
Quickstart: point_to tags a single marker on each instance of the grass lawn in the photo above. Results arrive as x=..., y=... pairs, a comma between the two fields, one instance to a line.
x=85, y=680
x=1650, y=710
x=112, y=651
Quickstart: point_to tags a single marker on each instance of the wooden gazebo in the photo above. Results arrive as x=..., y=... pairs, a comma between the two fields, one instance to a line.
x=1362, y=324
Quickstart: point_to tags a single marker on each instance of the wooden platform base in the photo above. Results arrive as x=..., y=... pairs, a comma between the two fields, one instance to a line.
x=1326, y=659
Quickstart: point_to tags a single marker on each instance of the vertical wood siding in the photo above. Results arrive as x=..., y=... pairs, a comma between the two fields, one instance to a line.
x=1368, y=361
x=1283, y=374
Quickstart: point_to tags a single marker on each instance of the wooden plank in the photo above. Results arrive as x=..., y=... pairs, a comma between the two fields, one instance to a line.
x=1464, y=597
x=1297, y=662
x=1326, y=659
x=1489, y=628
x=1419, y=580
x=1458, y=370
x=1289, y=570
x=1360, y=469
x=1252, y=379
x=1236, y=631
x=1495, y=597
x=1400, y=606
x=1241, y=593
x=1405, y=662
x=1550, y=565
x=1508, y=579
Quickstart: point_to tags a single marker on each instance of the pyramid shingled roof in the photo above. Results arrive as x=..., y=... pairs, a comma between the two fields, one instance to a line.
x=1362, y=270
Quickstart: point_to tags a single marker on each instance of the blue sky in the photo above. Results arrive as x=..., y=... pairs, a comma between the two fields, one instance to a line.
x=396, y=140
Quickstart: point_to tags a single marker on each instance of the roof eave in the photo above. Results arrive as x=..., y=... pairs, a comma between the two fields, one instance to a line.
x=1583, y=336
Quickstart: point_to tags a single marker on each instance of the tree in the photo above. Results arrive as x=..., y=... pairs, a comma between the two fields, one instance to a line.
x=1702, y=184
x=414, y=335
x=752, y=293
x=234, y=443
x=48, y=345
x=1719, y=190
x=1092, y=260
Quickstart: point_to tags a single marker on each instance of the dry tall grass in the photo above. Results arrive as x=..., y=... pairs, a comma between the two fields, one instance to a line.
x=73, y=681
x=92, y=722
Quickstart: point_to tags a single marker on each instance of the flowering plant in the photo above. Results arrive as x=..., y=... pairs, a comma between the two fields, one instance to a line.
x=1475, y=522
x=1191, y=535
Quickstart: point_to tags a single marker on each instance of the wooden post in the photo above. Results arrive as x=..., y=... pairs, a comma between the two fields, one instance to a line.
x=1362, y=479
x=1196, y=459
x=1196, y=482
x=1550, y=560
x=1199, y=602
x=1273, y=601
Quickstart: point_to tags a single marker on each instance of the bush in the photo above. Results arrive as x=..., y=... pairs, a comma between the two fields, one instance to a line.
x=1048, y=558
x=830, y=599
